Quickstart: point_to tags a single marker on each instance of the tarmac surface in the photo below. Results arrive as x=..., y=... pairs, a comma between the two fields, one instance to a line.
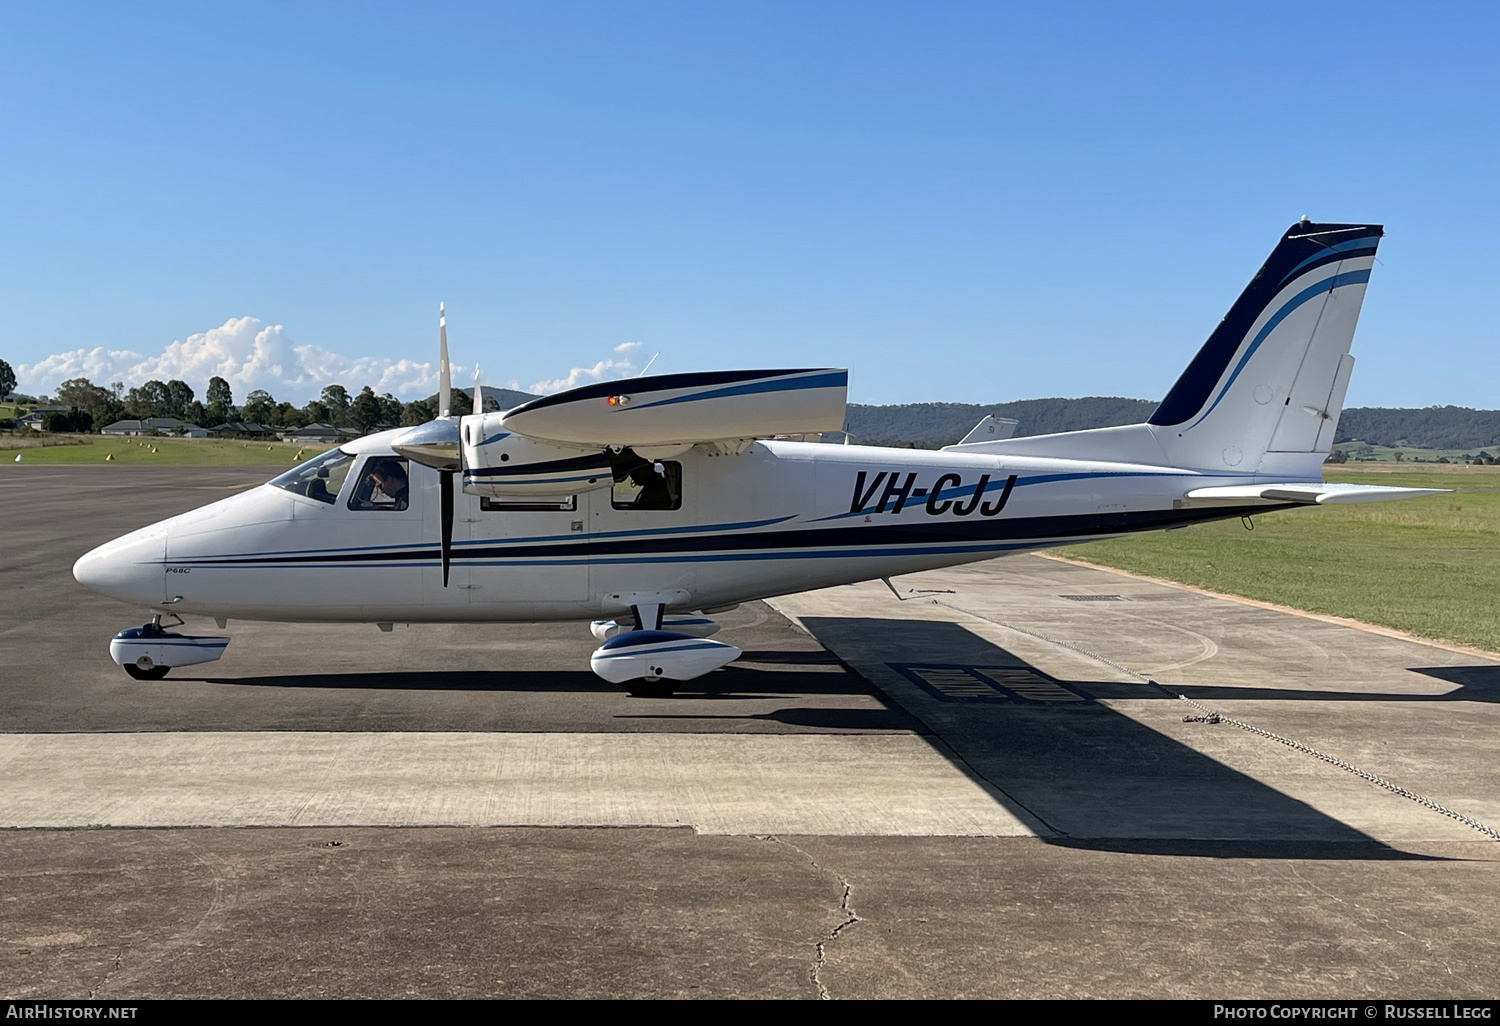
x=930, y=796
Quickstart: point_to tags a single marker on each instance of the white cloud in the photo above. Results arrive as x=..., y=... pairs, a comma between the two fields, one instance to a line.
x=250, y=354
x=243, y=351
x=621, y=368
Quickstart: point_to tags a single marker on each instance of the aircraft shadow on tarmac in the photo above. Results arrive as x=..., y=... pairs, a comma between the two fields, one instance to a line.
x=735, y=682
x=1097, y=778
x=1479, y=683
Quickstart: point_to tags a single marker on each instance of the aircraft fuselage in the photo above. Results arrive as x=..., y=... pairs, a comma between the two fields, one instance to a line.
x=778, y=517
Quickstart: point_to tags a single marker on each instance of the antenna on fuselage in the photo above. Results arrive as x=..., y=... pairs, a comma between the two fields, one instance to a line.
x=649, y=362
x=445, y=378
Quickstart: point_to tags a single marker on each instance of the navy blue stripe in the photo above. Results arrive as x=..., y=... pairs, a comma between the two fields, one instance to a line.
x=592, y=461
x=1323, y=287
x=1365, y=245
x=1301, y=244
x=659, y=383
x=915, y=537
x=833, y=379
x=744, y=525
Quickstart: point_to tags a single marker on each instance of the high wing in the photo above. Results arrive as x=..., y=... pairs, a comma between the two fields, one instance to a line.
x=591, y=436
x=672, y=409
x=1305, y=492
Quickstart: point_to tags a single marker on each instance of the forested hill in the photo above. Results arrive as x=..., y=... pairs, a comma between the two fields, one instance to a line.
x=1435, y=427
x=933, y=424
x=929, y=424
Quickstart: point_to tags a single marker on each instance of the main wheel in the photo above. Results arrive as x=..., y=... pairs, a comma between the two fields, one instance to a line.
x=661, y=687
x=155, y=673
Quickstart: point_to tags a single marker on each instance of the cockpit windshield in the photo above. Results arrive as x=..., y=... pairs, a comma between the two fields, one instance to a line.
x=319, y=478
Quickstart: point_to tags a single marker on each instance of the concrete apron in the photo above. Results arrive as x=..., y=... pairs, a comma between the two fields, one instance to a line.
x=840, y=784
x=1092, y=752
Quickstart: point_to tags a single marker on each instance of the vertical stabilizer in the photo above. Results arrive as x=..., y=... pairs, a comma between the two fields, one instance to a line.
x=1266, y=389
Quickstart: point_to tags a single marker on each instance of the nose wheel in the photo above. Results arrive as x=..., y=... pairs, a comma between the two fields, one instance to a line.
x=150, y=651
x=152, y=672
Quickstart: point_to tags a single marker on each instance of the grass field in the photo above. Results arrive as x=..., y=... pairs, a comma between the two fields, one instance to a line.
x=154, y=452
x=1429, y=566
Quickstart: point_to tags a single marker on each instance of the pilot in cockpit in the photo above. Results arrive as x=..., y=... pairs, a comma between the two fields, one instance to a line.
x=389, y=478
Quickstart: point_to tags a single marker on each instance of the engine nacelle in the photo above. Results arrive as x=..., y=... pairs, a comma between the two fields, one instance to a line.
x=501, y=464
x=653, y=655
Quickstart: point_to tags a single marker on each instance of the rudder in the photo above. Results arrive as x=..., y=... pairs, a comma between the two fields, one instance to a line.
x=1267, y=386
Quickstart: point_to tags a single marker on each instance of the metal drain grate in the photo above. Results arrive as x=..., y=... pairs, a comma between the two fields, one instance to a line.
x=950, y=683
x=1095, y=598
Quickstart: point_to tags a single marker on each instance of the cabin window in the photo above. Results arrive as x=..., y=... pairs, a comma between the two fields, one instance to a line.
x=649, y=486
x=382, y=484
x=319, y=478
x=539, y=504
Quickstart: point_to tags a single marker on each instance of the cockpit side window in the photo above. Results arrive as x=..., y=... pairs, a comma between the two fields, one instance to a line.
x=319, y=478
x=649, y=485
x=382, y=484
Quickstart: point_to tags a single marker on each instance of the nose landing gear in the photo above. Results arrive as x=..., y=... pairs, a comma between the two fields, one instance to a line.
x=150, y=652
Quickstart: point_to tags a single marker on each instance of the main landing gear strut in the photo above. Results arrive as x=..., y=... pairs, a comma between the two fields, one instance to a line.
x=652, y=655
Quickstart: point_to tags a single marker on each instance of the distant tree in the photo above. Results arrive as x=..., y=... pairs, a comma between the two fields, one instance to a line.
x=390, y=410
x=74, y=420
x=7, y=379
x=335, y=402
x=150, y=399
x=364, y=412
x=259, y=407
x=418, y=411
x=83, y=394
x=1398, y=454
x=196, y=414
x=219, y=399
x=179, y=397
x=316, y=413
x=288, y=416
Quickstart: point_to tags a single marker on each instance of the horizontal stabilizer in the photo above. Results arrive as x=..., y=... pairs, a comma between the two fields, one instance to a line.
x=991, y=429
x=1310, y=492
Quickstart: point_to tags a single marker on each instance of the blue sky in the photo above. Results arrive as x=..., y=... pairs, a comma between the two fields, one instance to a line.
x=967, y=202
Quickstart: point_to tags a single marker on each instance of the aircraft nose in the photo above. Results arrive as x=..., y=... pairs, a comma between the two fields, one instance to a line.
x=130, y=568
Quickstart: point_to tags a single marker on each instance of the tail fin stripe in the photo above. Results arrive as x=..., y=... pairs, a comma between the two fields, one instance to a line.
x=1325, y=286
x=1361, y=247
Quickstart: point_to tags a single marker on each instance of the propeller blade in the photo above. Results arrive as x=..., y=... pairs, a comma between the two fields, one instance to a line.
x=445, y=485
x=478, y=396
x=445, y=379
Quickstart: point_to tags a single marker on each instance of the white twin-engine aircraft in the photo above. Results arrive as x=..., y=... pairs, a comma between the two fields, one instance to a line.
x=647, y=505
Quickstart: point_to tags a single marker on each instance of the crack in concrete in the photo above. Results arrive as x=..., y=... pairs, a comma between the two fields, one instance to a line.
x=820, y=950
x=96, y=988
